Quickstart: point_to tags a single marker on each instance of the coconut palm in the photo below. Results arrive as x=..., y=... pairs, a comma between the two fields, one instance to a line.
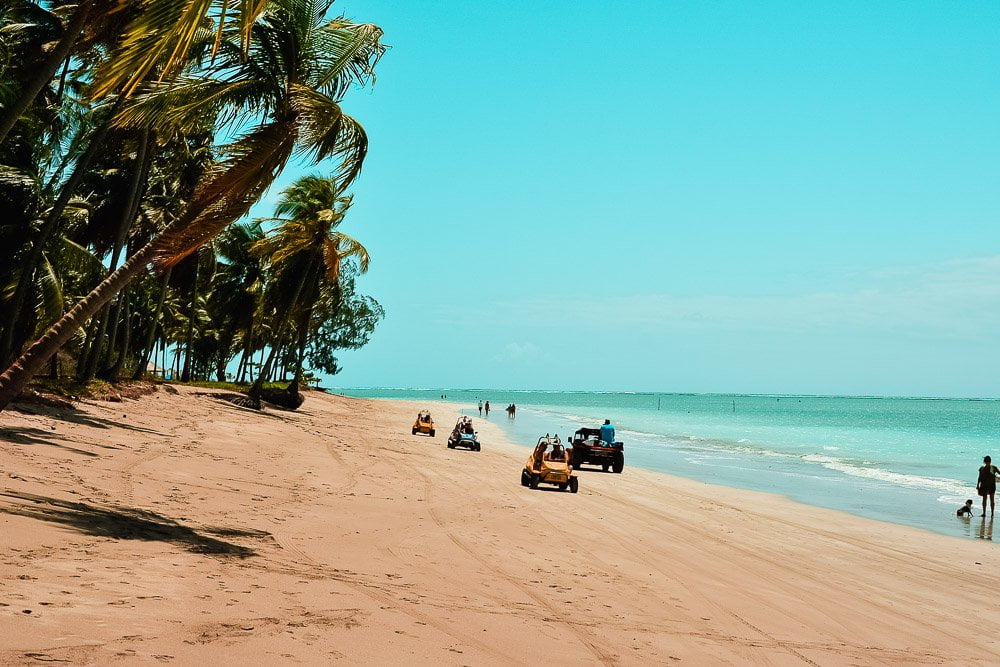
x=304, y=252
x=298, y=68
x=34, y=67
x=163, y=34
x=67, y=28
x=32, y=158
x=238, y=288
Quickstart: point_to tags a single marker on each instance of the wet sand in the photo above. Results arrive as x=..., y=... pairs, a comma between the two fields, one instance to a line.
x=179, y=528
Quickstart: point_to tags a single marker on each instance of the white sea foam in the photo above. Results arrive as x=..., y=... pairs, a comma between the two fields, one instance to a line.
x=943, y=484
x=720, y=453
x=561, y=415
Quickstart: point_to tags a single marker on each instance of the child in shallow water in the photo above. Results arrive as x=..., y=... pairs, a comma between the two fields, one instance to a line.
x=965, y=509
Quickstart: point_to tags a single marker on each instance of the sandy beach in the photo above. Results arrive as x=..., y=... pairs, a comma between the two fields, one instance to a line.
x=180, y=528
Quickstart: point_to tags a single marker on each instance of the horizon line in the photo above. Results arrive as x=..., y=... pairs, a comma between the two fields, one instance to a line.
x=674, y=393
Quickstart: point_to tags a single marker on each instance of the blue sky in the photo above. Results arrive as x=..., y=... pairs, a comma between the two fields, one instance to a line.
x=682, y=196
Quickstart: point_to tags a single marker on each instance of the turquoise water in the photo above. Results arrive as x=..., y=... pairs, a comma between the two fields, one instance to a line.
x=906, y=460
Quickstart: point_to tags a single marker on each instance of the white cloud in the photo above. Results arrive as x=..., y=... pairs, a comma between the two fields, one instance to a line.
x=520, y=352
x=958, y=299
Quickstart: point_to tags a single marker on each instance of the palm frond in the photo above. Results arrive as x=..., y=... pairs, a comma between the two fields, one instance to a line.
x=78, y=259
x=162, y=33
x=348, y=53
x=250, y=11
x=338, y=248
x=50, y=294
x=328, y=132
x=12, y=177
x=232, y=187
x=186, y=102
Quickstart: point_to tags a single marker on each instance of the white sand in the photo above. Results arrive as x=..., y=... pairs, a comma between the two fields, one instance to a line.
x=180, y=528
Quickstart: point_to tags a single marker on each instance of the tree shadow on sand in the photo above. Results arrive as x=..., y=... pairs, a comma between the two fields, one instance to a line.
x=239, y=402
x=126, y=523
x=75, y=415
x=28, y=435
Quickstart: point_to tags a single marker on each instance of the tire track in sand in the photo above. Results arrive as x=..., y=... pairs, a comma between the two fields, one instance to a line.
x=371, y=590
x=793, y=590
x=556, y=614
x=386, y=600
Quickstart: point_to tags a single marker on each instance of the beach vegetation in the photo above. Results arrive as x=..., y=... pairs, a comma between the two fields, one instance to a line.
x=132, y=137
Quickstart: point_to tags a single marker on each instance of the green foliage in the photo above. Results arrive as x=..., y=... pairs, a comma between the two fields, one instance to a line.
x=345, y=320
x=164, y=122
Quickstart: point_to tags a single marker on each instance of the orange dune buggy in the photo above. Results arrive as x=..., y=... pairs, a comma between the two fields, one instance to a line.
x=424, y=423
x=549, y=466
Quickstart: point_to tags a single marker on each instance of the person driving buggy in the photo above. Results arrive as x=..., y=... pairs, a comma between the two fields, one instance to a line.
x=557, y=453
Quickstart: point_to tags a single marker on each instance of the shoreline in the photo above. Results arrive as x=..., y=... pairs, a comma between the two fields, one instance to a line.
x=177, y=527
x=919, y=490
x=771, y=499
x=336, y=391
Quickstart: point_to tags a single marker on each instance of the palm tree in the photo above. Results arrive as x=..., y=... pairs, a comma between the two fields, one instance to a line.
x=304, y=252
x=238, y=288
x=163, y=34
x=172, y=181
x=33, y=159
x=290, y=84
x=40, y=70
x=344, y=320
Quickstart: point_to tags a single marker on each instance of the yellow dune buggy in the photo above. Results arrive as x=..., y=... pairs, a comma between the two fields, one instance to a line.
x=549, y=464
x=424, y=423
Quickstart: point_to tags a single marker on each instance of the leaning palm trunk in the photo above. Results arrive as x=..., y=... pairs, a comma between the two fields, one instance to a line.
x=247, y=357
x=45, y=73
x=223, y=198
x=137, y=184
x=109, y=316
x=192, y=316
x=15, y=378
x=300, y=350
x=116, y=367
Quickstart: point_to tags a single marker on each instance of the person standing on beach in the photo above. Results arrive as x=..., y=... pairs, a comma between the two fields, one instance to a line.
x=986, y=485
x=487, y=408
x=480, y=408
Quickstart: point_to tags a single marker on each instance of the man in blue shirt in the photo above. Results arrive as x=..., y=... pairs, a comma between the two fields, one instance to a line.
x=607, y=433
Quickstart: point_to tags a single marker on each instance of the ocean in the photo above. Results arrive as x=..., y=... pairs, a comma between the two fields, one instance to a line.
x=910, y=461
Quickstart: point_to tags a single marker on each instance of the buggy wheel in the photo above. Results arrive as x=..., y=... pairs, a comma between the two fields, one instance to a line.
x=605, y=466
x=413, y=431
x=478, y=447
x=562, y=487
x=432, y=433
x=619, y=463
x=451, y=445
x=524, y=478
x=533, y=480
x=574, y=484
